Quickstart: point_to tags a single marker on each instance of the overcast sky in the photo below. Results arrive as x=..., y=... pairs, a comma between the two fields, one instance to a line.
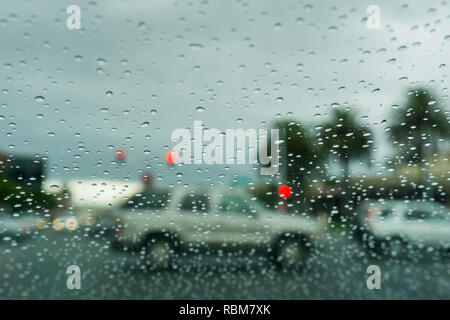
x=245, y=63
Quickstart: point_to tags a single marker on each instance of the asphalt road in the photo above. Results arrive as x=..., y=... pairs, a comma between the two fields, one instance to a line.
x=36, y=269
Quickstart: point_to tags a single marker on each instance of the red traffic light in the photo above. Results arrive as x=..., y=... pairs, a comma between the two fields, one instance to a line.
x=284, y=191
x=120, y=153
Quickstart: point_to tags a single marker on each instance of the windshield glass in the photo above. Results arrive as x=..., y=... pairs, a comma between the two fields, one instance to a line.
x=234, y=149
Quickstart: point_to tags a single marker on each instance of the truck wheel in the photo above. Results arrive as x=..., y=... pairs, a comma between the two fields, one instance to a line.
x=159, y=254
x=394, y=248
x=290, y=253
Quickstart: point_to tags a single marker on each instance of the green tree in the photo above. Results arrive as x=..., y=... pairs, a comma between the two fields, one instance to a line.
x=345, y=138
x=299, y=153
x=418, y=125
x=20, y=196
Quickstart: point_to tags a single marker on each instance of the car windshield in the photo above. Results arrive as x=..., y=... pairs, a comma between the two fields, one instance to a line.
x=231, y=149
x=234, y=204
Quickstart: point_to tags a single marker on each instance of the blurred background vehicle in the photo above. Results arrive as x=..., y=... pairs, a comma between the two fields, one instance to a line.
x=161, y=224
x=393, y=227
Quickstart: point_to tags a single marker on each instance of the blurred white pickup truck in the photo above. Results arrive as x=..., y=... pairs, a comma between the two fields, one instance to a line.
x=161, y=224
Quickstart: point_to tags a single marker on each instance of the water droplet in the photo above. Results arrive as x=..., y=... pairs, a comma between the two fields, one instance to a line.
x=54, y=187
x=141, y=25
x=101, y=62
x=391, y=61
x=196, y=46
x=308, y=7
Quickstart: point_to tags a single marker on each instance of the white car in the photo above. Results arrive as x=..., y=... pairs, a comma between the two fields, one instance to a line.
x=390, y=226
x=160, y=224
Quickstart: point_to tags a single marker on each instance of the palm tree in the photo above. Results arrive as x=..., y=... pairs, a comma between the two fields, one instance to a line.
x=418, y=126
x=300, y=152
x=346, y=139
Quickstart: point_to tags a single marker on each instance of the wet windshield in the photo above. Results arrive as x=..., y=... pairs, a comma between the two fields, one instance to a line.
x=234, y=149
